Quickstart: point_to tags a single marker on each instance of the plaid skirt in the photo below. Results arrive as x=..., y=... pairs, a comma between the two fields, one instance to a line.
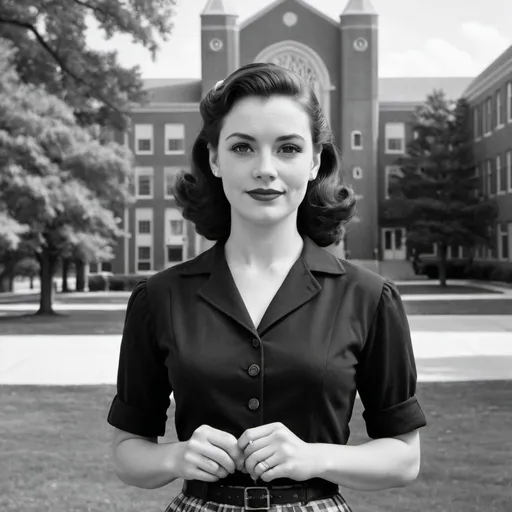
x=184, y=503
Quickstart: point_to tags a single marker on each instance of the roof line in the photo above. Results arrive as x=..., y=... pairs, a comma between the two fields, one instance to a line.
x=276, y=3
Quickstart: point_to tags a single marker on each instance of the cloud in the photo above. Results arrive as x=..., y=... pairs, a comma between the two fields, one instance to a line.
x=485, y=36
x=436, y=57
x=485, y=41
x=477, y=46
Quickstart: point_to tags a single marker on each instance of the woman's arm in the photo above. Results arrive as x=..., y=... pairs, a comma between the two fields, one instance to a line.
x=142, y=462
x=373, y=466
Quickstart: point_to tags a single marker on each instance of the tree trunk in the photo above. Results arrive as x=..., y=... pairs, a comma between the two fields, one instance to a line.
x=47, y=266
x=80, y=275
x=11, y=283
x=65, y=271
x=31, y=282
x=442, y=265
x=4, y=285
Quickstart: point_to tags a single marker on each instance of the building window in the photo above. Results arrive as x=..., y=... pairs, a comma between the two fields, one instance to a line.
x=503, y=253
x=476, y=124
x=100, y=266
x=144, y=227
x=395, y=137
x=489, y=178
x=509, y=171
x=500, y=187
x=499, y=124
x=174, y=139
x=477, y=180
x=483, y=176
x=106, y=266
x=509, y=102
x=357, y=140
x=143, y=238
x=144, y=258
x=488, y=117
x=392, y=172
x=144, y=139
x=170, y=175
x=175, y=239
x=144, y=182
x=357, y=173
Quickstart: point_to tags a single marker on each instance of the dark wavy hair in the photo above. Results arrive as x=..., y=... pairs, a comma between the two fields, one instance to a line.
x=328, y=203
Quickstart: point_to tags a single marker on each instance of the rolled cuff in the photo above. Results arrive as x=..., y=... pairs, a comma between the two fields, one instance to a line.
x=136, y=421
x=396, y=420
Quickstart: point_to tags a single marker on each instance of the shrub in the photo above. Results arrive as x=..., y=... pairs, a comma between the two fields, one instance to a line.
x=463, y=269
x=114, y=282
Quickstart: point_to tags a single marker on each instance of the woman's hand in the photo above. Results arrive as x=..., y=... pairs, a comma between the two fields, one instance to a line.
x=287, y=456
x=209, y=455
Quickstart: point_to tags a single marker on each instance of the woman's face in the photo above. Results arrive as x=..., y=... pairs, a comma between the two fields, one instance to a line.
x=265, y=158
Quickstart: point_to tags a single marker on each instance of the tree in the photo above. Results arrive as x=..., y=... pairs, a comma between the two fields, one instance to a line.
x=11, y=233
x=57, y=180
x=437, y=194
x=52, y=50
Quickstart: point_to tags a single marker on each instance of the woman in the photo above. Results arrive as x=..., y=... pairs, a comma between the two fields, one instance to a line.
x=266, y=337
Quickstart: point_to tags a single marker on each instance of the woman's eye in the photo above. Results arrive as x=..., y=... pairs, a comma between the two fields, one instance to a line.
x=241, y=148
x=290, y=148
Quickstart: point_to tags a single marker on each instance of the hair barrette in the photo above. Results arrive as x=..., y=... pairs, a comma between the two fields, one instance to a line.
x=218, y=85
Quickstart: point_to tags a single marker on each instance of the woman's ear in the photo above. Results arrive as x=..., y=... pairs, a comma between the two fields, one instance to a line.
x=316, y=161
x=214, y=160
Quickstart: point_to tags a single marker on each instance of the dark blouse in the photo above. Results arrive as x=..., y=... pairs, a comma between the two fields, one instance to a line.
x=332, y=329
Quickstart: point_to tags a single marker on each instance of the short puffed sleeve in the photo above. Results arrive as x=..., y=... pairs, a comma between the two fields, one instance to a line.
x=143, y=387
x=386, y=371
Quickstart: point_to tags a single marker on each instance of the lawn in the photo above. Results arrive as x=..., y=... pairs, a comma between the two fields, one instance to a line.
x=434, y=289
x=71, y=322
x=459, y=307
x=111, y=322
x=55, y=453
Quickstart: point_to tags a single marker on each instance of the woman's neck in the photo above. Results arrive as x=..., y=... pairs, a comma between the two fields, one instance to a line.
x=263, y=247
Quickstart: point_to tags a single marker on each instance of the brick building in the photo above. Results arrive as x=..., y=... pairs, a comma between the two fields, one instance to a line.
x=370, y=117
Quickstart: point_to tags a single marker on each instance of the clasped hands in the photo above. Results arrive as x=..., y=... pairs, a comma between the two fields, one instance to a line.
x=211, y=454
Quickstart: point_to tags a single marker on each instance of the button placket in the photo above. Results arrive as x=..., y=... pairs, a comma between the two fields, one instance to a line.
x=253, y=371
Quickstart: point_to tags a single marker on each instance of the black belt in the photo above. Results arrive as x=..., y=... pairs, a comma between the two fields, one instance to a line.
x=259, y=498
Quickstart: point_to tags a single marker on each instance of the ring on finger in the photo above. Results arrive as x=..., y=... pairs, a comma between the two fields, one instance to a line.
x=265, y=464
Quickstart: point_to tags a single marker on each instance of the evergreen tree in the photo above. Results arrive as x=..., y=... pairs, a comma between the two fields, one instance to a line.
x=437, y=195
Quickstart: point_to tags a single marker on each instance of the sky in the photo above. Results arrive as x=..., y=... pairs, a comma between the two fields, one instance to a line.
x=416, y=37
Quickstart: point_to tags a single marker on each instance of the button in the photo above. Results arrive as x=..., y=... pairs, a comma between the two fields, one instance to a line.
x=253, y=370
x=255, y=342
x=254, y=403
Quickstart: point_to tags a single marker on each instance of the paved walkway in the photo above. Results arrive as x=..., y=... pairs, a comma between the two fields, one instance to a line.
x=444, y=355
x=447, y=348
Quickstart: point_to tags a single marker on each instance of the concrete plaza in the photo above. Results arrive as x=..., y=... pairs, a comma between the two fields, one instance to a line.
x=447, y=348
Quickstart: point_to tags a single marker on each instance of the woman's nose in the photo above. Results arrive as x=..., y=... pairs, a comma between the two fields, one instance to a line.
x=265, y=167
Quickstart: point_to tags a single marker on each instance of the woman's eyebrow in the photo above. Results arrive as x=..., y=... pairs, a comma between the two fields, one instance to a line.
x=251, y=138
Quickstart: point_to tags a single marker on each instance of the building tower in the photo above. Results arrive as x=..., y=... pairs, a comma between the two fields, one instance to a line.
x=359, y=124
x=220, y=50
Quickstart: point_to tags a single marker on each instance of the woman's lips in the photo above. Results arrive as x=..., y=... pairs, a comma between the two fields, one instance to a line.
x=265, y=196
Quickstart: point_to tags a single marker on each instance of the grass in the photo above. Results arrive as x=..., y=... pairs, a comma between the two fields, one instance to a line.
x=111, y=322
x=433, y=289
x=71, y=298
x=69, y=323
x=459, y=307
x=55, y=453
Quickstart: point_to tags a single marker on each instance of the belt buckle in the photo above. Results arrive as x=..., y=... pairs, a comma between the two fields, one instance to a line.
x=259, y=502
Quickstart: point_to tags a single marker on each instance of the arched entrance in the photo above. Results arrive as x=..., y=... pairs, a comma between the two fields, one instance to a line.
x=307, y=63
